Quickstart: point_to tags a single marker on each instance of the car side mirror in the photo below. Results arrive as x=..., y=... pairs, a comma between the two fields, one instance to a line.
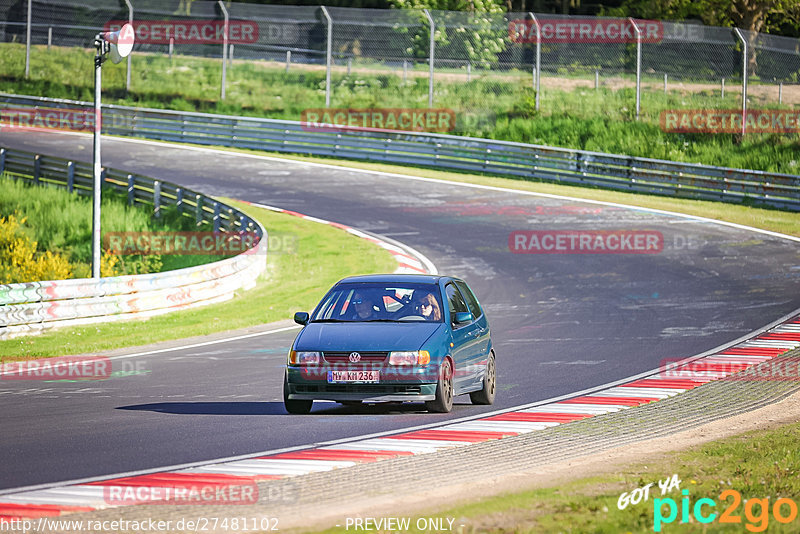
x=463, y=317
x=301, y=318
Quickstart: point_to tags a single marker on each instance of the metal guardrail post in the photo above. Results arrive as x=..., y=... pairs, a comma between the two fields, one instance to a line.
x=224, y=47
x=231, y=220
x=216, y=220
x=288, y=60
x=28, y=41
x=738, y=33
x=37, y=168
x=131, y=190
x=2, y=160
x=70, y=177
x=198, y=210
x=638, y=64
x=157, y=199
x=538, y=55
x=179, y=199
x=128, y=71
x=328, y=56
x=431, y=54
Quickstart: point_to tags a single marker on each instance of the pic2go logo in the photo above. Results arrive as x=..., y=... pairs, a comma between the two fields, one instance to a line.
x=756, y=511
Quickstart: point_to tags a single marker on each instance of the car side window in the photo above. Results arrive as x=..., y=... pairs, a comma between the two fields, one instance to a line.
x=469, y=296
x=454, y=300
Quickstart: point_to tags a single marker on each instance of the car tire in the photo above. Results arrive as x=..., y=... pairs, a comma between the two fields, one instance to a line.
x=294, y=406
x=443, y=403
x=487, y=393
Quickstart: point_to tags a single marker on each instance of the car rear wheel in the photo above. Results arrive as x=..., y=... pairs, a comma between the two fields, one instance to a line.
x=443, y=402
x=486, y=395
x=294, y=406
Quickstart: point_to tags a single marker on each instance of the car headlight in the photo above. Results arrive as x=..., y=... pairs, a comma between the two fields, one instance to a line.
x=304, y=357
x=414, y=357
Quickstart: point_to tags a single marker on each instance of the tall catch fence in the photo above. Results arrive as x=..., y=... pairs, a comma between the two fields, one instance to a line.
x=474, y=62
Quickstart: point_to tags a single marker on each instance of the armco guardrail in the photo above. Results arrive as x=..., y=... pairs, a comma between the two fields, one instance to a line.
x=448, y=152
x=36, y=306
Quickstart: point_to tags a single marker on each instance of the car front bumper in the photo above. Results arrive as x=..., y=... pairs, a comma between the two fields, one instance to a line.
x=302, y=387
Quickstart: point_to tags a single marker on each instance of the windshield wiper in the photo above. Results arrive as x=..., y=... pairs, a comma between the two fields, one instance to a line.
x=329, y=321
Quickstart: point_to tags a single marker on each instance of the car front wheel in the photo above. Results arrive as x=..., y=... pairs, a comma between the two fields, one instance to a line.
x=486, y=395
x=294, y=406
x=443, y=402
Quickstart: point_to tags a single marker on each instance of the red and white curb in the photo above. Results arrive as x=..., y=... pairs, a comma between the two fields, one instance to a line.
x=737, y=358
x=409, y=260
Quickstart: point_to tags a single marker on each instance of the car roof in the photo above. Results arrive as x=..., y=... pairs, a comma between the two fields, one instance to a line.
x=393, y=278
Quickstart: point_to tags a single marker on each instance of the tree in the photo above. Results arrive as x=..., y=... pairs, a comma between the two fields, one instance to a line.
x=478, y=28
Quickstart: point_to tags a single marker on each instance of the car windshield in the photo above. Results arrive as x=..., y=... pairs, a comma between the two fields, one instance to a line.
x=373, y=302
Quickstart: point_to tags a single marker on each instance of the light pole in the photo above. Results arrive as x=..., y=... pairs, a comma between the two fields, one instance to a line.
x=118, y=44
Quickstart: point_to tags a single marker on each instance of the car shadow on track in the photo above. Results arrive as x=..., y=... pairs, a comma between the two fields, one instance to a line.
x=271, y=408
x=210, y=408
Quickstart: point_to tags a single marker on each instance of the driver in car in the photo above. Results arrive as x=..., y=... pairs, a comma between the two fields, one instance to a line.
x=364, y=305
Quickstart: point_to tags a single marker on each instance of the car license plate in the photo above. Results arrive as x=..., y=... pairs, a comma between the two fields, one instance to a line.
x=372, y=377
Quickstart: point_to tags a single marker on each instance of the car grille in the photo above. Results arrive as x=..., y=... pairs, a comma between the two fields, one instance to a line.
x=366, y=357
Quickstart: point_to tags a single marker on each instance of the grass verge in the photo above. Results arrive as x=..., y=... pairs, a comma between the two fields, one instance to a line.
x=294, y=281
x=497, y=105
x=755, y=465
x=61, y=223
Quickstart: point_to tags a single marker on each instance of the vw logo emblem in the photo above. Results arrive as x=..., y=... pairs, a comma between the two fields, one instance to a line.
x=355, y=357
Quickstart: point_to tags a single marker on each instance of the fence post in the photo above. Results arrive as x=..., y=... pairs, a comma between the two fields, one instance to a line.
x=738, y=33
x=49, y=37
x=596, y=79
x=405, y=71
x=538, y=55
x=224, y=47
x=131, y=190
x=469, y=71
x=157, y=199
x=70, y=177
x=638, y=64
x=171, y=46
x=665, y=83
x=128, y=71
x=722, y=90
x=198, y=210
x=349, y=65
x=780, y=93
x=230, y=55
x=179, y=199
x=36, y=168
x=328, y=57
x=28, y=42
x=216, y=220
x=2, y=160
x=288, y=60
x=432, y=50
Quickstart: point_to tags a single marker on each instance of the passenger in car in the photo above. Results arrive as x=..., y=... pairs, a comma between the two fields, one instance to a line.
x=429, y=308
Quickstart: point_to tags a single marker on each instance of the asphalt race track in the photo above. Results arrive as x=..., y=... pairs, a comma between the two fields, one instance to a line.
x=560, y=322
